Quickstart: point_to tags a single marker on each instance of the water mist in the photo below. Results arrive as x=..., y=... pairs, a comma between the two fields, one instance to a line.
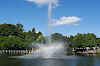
x=49, y=21
x=49, y=50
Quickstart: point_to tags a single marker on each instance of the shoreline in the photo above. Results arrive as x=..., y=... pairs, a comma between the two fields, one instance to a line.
x=88, y=52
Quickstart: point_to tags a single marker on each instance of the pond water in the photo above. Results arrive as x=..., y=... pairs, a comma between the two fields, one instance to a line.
x=63, y=61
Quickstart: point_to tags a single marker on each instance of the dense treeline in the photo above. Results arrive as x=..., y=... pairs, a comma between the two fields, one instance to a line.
x=84, y=40
x=79, y=40
x=13, y=37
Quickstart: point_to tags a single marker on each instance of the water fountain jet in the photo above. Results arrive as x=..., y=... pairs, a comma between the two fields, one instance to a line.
x=49, y=50
x=49, y=21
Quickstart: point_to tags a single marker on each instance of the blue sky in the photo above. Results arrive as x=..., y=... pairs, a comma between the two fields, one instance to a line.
x=32, y=16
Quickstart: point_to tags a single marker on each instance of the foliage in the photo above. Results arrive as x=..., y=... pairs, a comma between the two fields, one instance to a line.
x=98, y=42
x=12, y=37
x=28, y=35
x=14, y=43
x=10, y=42
x=20, y=26
x=32, y=34
x=59, y=37
x=83, y=40
x=37, y=35
x=10, y=29
x=40, y=39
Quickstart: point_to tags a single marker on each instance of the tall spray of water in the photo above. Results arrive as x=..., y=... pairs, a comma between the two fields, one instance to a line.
x=49, y=21
x=51, y=49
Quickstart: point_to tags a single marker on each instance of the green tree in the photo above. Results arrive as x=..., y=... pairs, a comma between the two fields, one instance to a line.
x=33, y=31
x=28, y=35
x=11, y=43
x=83, y=40
x=37, y=35
x=19, y=26
x=59, y=37
x=9, y=29
x=14, y=43
x=40, y=39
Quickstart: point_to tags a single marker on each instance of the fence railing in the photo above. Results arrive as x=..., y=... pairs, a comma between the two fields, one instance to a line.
x=12, y=52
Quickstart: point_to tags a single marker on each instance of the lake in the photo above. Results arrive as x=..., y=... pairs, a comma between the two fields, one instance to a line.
x=62, y=61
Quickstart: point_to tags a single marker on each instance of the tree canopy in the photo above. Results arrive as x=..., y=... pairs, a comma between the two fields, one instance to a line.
x=13, y=37
x=59, y=37
x=9, y=29
x=83, y=40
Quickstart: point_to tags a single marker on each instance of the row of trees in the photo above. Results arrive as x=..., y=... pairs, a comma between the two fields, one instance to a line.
x=17, y=30
x=79, y=40
x=14, y=37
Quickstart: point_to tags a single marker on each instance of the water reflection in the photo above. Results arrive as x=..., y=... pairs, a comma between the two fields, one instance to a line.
x=6, y=61
x=62, y=62
x=45, y=62
x=83, y=61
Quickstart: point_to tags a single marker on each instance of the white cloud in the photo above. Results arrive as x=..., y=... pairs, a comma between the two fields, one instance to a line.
x=61, y=21
x=43, y=2
x=66, y=20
